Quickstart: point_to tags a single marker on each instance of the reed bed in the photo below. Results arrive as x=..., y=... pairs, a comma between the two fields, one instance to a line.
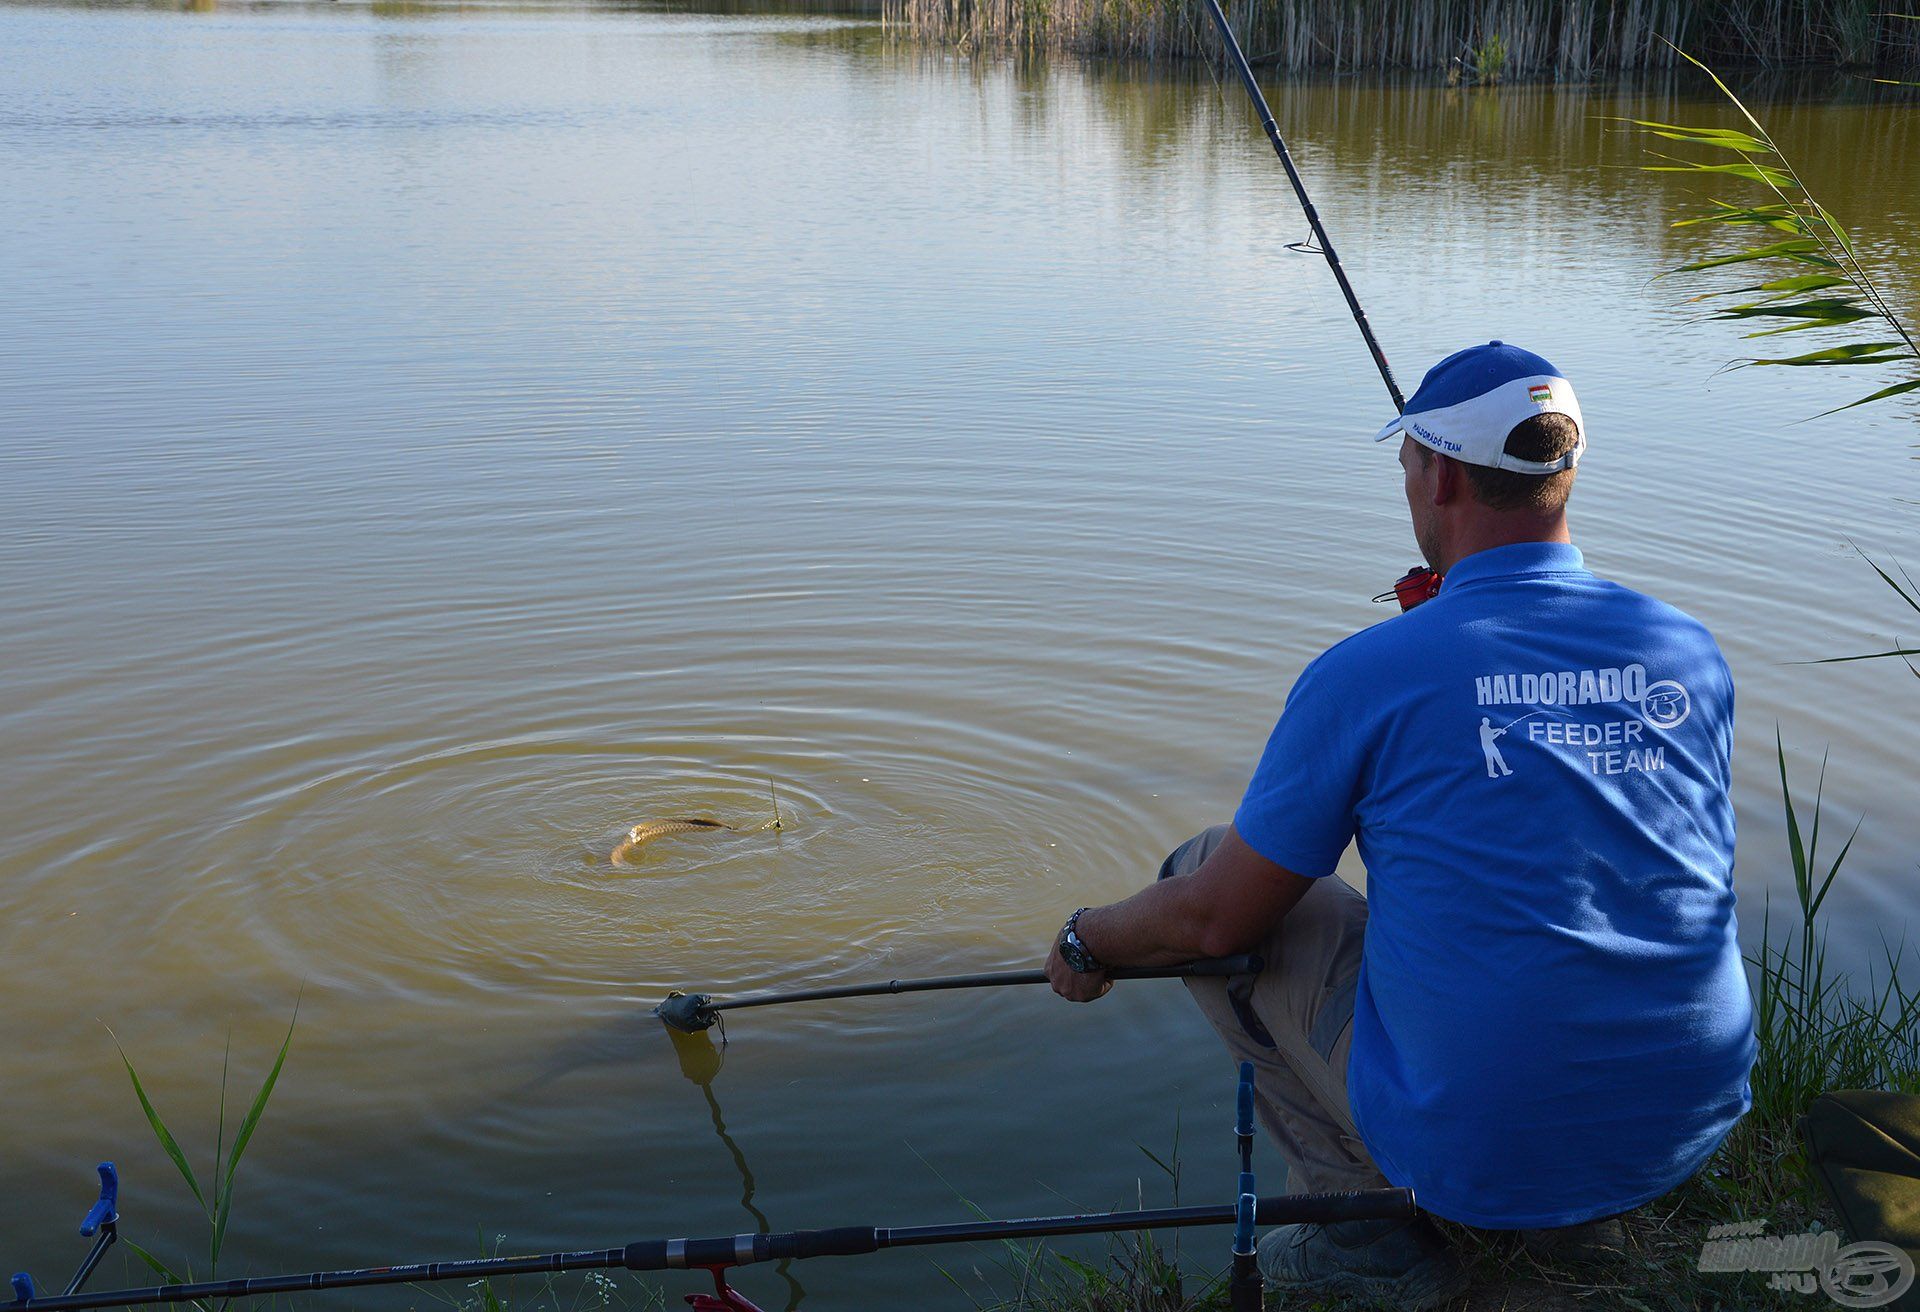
x=1517, y=38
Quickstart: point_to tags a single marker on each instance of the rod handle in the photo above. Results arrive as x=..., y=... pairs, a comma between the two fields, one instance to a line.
x=843, y=1241
x=739, y=1250
x=1321, y=1209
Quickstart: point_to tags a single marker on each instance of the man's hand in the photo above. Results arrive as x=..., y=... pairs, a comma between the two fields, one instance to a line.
x=1072, y=984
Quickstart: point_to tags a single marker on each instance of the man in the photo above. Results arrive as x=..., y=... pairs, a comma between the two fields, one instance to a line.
x=1537, y=1018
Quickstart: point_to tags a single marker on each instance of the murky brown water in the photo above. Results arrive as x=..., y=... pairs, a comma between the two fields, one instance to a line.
x=433, y=439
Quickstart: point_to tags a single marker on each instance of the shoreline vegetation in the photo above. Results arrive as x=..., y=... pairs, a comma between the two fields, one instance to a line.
x=1480, y=41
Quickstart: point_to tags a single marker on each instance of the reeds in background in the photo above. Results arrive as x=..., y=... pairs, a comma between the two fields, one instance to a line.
x=1536, y=38
x=1815, y=276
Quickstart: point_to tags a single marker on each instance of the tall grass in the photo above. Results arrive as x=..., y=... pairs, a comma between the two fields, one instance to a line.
x=592, y=1292
x=1818, y=1027
x=1573, y=38
x=216, y=1196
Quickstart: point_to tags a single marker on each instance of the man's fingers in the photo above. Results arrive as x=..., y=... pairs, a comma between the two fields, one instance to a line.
x=1071, y=984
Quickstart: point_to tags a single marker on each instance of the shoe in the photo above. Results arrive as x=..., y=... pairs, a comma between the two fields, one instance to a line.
x=1403, y=1264
x=1577, y=1245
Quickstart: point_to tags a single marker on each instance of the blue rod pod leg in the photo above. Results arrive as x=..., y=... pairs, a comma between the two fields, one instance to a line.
x=1247, y=1289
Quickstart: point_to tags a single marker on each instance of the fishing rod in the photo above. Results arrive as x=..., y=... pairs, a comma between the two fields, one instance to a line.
x=1323, y=244
x=722, y=1252
x=718, y=1254
x=692, y=1012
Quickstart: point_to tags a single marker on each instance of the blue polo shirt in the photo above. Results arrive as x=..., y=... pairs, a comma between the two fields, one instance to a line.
x=1552, y=1021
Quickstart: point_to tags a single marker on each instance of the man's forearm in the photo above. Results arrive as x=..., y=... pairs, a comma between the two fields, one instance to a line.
x=1230, y=904
x=1161, y=925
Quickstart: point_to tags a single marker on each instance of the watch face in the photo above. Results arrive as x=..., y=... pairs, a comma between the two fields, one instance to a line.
x=1075, y=954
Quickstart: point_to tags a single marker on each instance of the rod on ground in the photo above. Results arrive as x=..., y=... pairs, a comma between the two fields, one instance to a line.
x=741, y=1250
x=1232, y=44
x=692, y=1012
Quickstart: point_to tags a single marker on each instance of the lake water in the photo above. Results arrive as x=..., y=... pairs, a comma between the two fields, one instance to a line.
x=435, y=438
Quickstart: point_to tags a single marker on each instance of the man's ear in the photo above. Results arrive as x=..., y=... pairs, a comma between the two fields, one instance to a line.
x=1449, y=480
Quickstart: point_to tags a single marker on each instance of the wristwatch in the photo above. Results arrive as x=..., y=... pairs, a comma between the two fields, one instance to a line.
x=1074, y=951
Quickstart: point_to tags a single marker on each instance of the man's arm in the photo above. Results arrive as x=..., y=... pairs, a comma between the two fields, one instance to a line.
x=1230, y=904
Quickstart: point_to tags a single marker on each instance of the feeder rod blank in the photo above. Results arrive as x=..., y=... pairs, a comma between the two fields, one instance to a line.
x=692, y=1012
x=852, y=1241
x=741, y=1250
x=1232, y=44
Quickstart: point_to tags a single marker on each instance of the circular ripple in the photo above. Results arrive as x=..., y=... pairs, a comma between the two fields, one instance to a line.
x=483, y=866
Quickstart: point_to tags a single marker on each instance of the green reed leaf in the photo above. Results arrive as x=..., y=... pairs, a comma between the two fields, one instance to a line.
x=1834, y=226
x=1871, y=655
x=1726, y=91
x=1796, y=847
x=244, y=1135
x=1803, y=282
x=1724, y=138
x=1863, y=353
x=1859, y=354
x=154, y=1264
x=1825, y=309
x=1881, y=395
x=1911, y=598
x=1783, y=217
x=164, y=1271
x=1772, y=177
x=1808, y=325
x=160, y=1131
x=1804, y=250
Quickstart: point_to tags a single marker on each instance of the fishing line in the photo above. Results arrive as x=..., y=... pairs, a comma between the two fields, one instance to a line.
x=1320, y=242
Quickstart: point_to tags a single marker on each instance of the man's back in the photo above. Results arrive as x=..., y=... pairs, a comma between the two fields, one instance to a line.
x=1552, y=1020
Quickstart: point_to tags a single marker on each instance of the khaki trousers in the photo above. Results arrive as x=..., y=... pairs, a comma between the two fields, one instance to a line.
x=1294, y=1022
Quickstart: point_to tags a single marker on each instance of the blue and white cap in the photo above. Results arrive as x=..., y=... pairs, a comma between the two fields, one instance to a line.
x=1470, y=401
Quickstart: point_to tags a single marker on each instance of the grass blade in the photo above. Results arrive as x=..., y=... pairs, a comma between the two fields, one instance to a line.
x=1806, y=250
x=1782, y=217
x=244, y=1135
x=1911, y=598
x=1862, y=353
x=1880, y=395
x=154, y=1264
x=160, y=1130
x=1751, y=172
x=1805, y=282
x=1725, y=138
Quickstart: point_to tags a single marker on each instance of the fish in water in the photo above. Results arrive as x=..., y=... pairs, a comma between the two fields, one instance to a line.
x=640, y=835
